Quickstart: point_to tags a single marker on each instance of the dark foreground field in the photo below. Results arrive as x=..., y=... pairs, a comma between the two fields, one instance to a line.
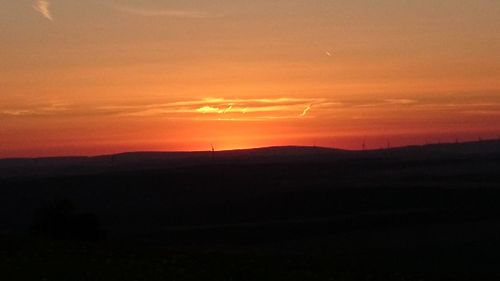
x=292, y=213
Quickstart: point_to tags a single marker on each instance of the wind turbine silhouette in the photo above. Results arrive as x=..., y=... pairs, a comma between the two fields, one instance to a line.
x=213, y=152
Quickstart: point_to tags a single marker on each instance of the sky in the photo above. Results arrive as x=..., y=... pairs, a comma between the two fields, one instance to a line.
x=106, y=76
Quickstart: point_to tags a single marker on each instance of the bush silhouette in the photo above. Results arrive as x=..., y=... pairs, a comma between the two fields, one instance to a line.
x=59, y=221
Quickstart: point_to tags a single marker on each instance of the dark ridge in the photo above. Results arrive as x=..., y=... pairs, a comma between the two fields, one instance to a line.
x=415, y=209
x=129, y=161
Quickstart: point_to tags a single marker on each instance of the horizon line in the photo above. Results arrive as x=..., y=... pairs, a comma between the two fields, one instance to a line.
x=256, y=148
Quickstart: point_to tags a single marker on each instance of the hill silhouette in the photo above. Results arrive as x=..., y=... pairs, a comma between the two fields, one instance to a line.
x=430, y=208
x=53, y=166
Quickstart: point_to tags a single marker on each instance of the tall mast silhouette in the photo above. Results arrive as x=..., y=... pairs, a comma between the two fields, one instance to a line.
x=213, y=152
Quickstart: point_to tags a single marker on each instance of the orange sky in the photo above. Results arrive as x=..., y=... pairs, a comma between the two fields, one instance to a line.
x=95, y=77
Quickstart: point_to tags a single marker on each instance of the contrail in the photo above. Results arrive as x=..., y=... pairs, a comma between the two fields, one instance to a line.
x=42, y=6
x=305, y=111
x=327, y=52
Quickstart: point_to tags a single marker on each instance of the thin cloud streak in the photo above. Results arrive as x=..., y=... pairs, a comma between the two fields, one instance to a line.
x=250, y=109
x=161, y=13
x=401, y=101
x=221, y=106
x=257, y=109
x=49, y=109
x=43, y=7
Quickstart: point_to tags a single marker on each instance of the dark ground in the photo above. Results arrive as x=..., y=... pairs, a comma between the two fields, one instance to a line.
x=417, y=213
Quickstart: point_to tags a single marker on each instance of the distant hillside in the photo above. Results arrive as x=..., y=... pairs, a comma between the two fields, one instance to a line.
x=383, y=205
x=42, y=167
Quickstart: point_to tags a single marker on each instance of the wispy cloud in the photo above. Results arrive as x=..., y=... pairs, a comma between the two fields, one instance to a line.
x=401, y=101
x=224, y=109
x=46, y=109
x=43, y=7
x=246, y=109
x=486, y=112
x=383, y=103
x=160, y=13
x=202, y=109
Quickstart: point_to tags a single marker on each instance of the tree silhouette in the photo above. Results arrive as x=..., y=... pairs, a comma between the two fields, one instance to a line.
x=59, y=221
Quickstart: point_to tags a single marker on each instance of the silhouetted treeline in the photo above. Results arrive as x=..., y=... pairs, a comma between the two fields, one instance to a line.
x=60, y=221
